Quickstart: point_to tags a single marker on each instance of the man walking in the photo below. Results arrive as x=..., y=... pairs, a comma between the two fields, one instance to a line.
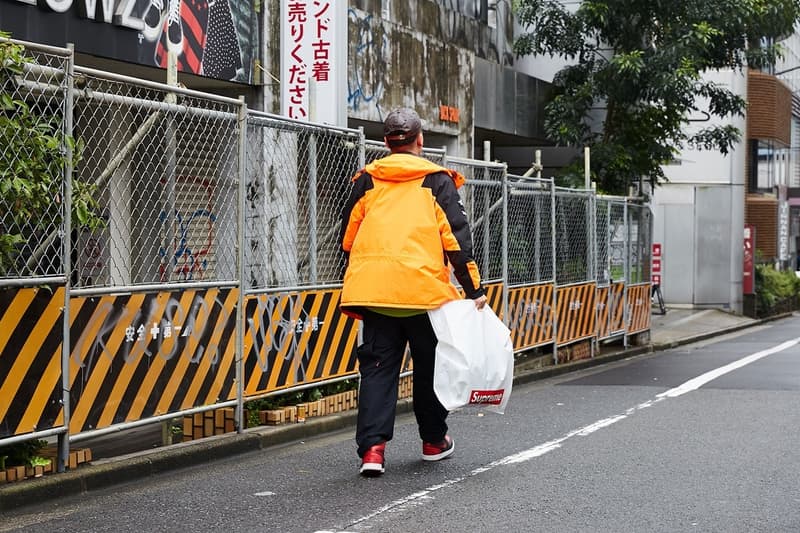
x=403, y=226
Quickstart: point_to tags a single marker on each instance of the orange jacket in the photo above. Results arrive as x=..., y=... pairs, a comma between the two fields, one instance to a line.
x=401, y=225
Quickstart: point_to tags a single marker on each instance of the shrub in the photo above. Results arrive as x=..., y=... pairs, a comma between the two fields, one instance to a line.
x=774, y=288
x=21, y=453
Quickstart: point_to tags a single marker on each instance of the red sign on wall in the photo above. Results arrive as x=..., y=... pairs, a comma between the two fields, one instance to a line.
x=748, y=274
x=655, y=268
x=656, y=265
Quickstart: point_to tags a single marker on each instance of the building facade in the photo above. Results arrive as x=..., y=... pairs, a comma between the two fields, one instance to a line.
x=712, y=203
x=450, y=60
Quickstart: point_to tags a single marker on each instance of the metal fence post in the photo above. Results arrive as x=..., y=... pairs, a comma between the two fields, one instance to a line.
x=487, y=156
x=626, y=272
x=555, y=266
x=240, y=242
x=592, y=266
x=506, y=280
x=66, y=247
x=362, y=148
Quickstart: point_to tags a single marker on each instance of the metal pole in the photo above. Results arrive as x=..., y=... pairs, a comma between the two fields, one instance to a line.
x=506, y=317
x=593, y=251
x=487, y=156
x=241, y=243
x=587, y=178
x=170, y=170
x=362, y=148
x=66, y=246
x=537, y=222
x=555, y=280
x=608, y=267
x=626, y=274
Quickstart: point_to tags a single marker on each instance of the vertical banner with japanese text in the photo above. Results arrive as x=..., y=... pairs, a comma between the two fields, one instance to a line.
x=748, y=273
x=314, y=60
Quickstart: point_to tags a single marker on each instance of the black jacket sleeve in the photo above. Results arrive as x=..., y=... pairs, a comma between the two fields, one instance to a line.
x=460, y=256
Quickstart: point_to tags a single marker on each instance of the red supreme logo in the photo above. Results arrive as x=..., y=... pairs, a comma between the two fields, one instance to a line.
x=487, y=396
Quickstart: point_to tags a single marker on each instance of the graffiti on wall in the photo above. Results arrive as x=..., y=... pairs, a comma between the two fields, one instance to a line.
x=160, y=326
x=368, y=54
x=531, y=315
x=187, y=244
x=188, y=260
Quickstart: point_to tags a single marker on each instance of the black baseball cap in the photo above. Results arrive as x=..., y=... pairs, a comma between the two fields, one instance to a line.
x=401, y=126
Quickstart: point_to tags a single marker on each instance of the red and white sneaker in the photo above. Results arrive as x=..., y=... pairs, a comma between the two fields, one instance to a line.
x=372, y=463
x=437, y=452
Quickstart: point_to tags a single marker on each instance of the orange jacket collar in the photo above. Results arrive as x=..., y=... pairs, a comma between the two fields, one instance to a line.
x=405, y=167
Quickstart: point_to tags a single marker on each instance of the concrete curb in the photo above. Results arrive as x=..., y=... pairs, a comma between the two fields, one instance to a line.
x=107, y=473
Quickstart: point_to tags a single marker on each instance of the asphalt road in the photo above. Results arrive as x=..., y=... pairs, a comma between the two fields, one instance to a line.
x=701, y=438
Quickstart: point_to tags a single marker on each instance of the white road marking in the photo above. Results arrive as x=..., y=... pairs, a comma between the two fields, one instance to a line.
x=265, y=493
x=541, y=449
x=701, y=380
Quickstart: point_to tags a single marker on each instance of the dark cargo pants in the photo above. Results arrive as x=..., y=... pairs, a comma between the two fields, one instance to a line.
x=380, y=357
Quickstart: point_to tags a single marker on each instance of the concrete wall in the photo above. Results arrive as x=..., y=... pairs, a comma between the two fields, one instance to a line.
x=412, y=60
x=423, y=54
x=699, y=217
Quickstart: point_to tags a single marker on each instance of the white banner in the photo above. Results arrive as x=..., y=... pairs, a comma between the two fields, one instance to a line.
x=314, y=60
x=783, y=231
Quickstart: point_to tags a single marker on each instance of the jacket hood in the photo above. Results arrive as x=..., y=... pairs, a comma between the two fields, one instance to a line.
x=407, y=167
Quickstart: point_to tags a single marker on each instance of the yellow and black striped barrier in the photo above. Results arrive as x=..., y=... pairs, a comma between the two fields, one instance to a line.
x=135, y=356
x=610, y=310
x=139, y=355
x=31, y=329
x=293, y=338
x=575, y=312
x=638, y=303
x=531, y=315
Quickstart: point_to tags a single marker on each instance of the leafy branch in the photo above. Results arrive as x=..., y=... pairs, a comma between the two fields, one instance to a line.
x=36, y=154
x=635, y=75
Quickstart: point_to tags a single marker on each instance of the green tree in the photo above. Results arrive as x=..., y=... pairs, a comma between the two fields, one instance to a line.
x=32, y=165
x=635, y=70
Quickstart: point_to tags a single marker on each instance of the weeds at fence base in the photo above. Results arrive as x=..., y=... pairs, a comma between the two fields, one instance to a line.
x=45, y=465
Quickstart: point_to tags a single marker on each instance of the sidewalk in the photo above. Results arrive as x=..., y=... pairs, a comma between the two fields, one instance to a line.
x=680, y=326
x=113, y=464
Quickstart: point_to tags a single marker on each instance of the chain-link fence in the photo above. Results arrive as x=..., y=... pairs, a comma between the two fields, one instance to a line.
x=618, y=241
x=205, y=252
x=530, y=231
x=574, y=230
x=298, y=178
x=611, y=240
x=164, y=163
x=602, y=256
x=37, y=153
x=639, y=226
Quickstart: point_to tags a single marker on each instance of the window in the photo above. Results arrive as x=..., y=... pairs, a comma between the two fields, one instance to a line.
x=770, y=166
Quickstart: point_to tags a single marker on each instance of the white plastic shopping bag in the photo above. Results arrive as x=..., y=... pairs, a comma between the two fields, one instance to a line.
x=474, y=357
